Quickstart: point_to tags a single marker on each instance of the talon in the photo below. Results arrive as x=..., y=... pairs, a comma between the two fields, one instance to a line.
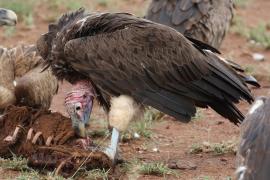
x=14, y=136
x=84, y=143
x=29, y=134
x=112, y=150
x=35, y=138
x=8, y=139
x=49, y=141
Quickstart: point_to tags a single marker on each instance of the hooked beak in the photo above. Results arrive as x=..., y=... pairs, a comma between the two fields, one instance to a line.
x=81, y=117
x=80, y=112
x=7, y=17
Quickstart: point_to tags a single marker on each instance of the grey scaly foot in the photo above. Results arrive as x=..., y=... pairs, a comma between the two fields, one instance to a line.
x=112, y=150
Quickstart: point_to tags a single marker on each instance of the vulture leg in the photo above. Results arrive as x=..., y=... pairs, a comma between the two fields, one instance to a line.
x=123, y=110
x=112, y=151
x=84, y=143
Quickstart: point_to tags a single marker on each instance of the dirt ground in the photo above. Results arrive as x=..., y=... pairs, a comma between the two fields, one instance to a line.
x=174, y=139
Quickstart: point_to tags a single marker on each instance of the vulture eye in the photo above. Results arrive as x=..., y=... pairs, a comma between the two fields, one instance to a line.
x=78, y=106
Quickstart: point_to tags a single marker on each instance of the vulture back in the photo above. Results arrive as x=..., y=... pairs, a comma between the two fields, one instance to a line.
x=7, y=77
x=35, y=88
x=205, y=20
x=253, y=157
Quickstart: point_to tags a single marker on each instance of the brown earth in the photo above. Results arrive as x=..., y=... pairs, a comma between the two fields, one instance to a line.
x=174, y=139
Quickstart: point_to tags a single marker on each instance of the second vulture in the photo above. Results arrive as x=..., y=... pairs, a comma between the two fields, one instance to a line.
x=127, y=62
x=205, y=20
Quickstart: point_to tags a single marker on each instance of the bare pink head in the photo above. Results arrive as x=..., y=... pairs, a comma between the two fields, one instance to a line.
x=79, y=103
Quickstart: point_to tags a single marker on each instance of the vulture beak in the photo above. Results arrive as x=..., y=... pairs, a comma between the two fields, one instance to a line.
x=79, y=103
x=7, y=17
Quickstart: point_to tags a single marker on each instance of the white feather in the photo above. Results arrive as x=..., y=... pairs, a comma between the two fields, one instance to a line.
x=255, y=106
x=241, y=172
x=123, y=110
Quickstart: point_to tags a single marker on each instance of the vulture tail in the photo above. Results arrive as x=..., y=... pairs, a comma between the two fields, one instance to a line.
x=228, y=110
x=251, y=80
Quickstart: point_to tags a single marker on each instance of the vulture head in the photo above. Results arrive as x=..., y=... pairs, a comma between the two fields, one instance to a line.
x=79, y=103
x=7, y=17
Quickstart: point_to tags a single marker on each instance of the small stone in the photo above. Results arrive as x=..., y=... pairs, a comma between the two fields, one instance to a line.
x=182, y=165
x=14, y=83
x=223, y=160
x=206, y=144
x=155, y=150
x=252, y=42
x=136, y=135
x=8, y=139
x=220, y=122
x=258, y=57
x=172, y=165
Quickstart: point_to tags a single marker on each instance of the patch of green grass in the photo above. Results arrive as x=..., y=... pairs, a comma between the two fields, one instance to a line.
x=16, y=163
x=152, y=114
x=65, y=4
x=196, y=149
x=52, y=176
x=97, y=174
x=216, y=148
x=20, y=164
x=199, y=115
x=143, y=126
x=99, y=133
x=9, y=31
x=239, y=27
x=261, y=35
x=242, y=3
x=155, y=168
x=29, y=21
x=224, y=148
x=204, y=178
x=249, y=69
x=24, y=9
x=73, y=5
x=32, y=175
x=103, y=3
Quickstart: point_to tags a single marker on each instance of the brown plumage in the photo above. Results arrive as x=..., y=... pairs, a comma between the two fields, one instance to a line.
x=253, y=154
x=33, y=87
x=205, y=20
x=7, y=77
x=7, y=18
x=152, y=63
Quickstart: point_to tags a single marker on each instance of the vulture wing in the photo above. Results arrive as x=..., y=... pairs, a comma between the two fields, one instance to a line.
x=155, y=65
x=205, y=20
x=180, y=14
x=253, y=154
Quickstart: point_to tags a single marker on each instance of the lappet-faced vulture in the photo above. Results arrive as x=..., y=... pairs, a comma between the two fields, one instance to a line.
x=254, y=149
x=127, y=62
x=7, y=17
x=205, y=20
